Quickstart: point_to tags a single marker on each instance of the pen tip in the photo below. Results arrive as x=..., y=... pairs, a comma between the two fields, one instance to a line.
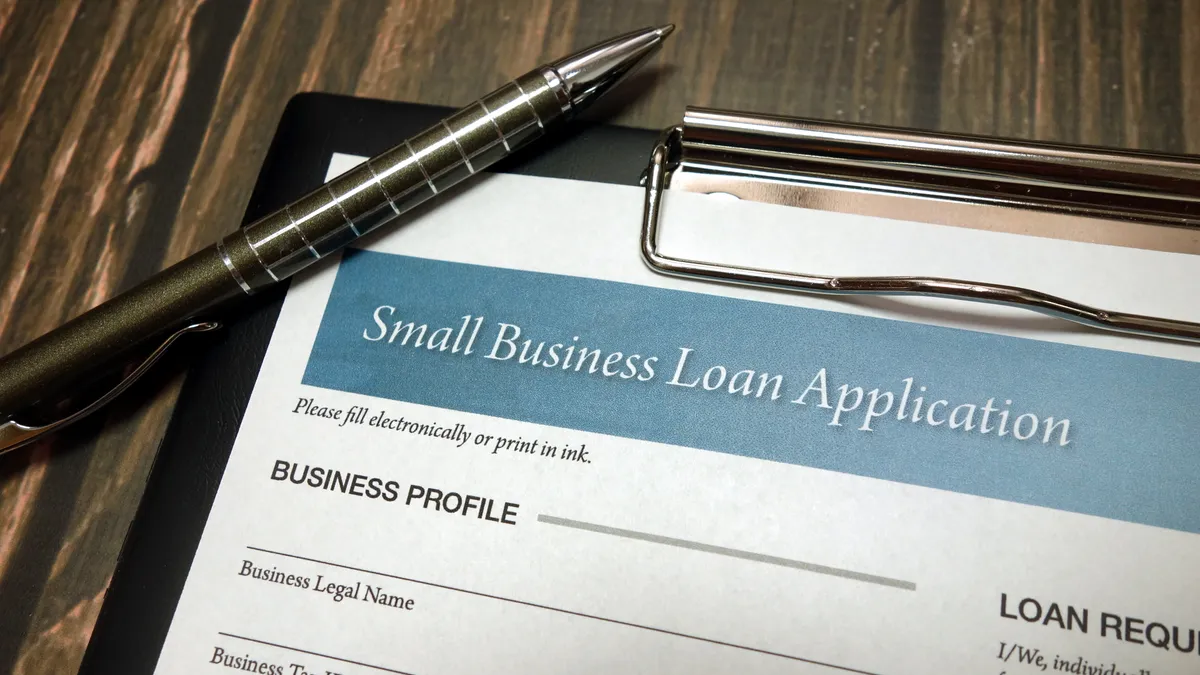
x=590, y=72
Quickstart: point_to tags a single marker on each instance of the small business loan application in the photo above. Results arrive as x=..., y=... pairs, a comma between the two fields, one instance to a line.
x=492, y=440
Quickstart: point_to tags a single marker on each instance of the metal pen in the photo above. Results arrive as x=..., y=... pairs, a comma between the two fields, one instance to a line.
x=294, y=237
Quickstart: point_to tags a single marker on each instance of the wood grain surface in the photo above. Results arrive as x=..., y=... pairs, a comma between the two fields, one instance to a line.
x=131, y=132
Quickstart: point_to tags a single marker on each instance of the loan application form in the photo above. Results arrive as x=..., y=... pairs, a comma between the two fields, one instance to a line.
x=494, y=441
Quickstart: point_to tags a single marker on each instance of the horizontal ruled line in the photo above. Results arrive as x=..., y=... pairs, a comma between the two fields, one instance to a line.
x=568, y=612
x=317, y=654
x=729, y=552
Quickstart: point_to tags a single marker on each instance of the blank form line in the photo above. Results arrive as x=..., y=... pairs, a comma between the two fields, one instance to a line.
x=559, y=610
x=730, y=552
x=311, y=653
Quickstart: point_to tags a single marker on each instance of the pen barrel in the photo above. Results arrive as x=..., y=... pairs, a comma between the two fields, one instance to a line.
x=377, y=191
x=286, y=241
x=113, y=332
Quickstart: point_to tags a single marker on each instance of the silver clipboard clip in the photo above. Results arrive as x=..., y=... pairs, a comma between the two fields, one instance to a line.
x=1123, y=198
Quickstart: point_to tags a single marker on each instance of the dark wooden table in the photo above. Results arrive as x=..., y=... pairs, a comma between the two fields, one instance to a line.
x=131, y=132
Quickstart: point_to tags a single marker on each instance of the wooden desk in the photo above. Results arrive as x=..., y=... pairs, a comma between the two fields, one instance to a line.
x=131, y=132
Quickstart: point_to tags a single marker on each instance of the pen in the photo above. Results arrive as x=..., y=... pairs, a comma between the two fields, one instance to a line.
x=277, y=246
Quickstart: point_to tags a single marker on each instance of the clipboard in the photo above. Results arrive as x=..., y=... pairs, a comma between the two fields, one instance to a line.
x=701, y=156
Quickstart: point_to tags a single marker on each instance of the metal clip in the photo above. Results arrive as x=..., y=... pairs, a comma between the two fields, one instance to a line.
x=655, y=179
x=13, y=434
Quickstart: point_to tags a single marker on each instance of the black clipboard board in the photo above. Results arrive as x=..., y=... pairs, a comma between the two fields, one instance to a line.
x=162, y=540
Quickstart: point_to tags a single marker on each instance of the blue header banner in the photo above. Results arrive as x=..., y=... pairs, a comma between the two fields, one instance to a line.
x=1086, y=430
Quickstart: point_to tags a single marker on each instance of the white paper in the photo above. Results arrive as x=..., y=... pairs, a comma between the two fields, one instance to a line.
x=661, y=558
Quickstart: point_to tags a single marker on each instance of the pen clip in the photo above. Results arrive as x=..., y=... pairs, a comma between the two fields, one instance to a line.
x=13, y=434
